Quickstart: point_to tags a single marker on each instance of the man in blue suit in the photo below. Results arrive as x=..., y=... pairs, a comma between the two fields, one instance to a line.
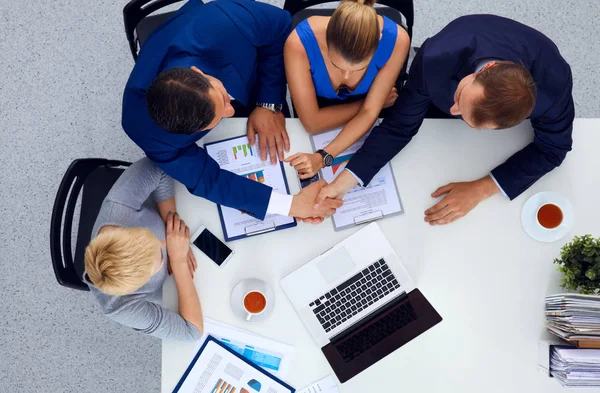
x=493, y=73
x=205, y=63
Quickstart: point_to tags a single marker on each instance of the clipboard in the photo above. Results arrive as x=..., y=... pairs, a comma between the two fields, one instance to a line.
x=364, y=216
x=260, y=227
x=210, y=339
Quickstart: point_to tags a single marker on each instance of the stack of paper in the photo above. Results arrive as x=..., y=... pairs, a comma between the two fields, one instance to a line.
x=574, y=317
x=575, y=367
x=271, y=355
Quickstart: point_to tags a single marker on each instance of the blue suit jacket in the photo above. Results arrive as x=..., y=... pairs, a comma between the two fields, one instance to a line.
x=240, y=42
x=452, y=54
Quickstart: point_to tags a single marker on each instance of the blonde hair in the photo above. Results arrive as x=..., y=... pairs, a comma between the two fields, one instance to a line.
x=120, y=261
x=353, y=30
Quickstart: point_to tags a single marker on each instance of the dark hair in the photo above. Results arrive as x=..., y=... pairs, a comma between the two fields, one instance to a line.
x=353, y=30
x=179, y=102
x=509, y=95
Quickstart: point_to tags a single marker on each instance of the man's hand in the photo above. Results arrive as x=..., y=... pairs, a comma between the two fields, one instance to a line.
x=460, y=199
x=178, y=242
x=391, y=98
x=304, y=204
x=306, y=164
x=271, y=131
x=338, y=188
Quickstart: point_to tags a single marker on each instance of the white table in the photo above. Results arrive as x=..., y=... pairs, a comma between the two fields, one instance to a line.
x=483, y=274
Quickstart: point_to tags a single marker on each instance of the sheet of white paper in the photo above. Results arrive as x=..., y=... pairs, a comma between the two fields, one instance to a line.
x=218, y=371
x=379, y=198
x=325, y=385
x=579, y=354
x=271, y=355
x=237, y=156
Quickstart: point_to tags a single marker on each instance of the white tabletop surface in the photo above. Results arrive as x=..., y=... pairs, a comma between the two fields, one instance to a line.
x=483, y=274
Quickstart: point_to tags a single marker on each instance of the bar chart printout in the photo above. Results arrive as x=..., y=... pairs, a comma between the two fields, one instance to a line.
x=238, y=156
x=242, y=150
x=216, y=370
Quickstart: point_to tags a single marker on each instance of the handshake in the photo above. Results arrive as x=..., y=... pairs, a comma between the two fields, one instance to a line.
x=320, y=200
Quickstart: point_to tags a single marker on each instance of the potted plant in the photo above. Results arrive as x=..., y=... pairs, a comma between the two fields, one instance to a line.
x=580, y=264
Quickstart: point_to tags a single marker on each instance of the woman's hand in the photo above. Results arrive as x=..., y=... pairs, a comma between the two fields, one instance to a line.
x=391, y=98
x=192, y=264
x=306, y=164
x=178, y=242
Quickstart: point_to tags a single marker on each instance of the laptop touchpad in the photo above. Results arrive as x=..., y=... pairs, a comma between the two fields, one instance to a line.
x=336, y=265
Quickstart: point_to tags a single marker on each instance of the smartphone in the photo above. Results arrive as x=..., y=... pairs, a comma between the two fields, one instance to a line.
x=211, y=246
x=307, y=182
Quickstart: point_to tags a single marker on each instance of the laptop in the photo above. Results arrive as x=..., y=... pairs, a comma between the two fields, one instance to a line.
x=358, y=302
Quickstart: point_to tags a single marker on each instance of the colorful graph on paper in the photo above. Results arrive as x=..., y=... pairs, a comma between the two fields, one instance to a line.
x=340, y=162
x=258, y=176
x=240, y=150
x=223, y=387
x=260, y=357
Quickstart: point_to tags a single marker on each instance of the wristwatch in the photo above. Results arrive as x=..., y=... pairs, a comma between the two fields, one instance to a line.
x=275, y=108
x=327, y=158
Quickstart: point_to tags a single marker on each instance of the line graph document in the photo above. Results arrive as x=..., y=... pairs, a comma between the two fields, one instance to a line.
x=376, y=200
x=238, y=156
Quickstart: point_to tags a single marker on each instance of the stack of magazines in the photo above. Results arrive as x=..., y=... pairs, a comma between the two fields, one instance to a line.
x=575, y=367
x=574, y=318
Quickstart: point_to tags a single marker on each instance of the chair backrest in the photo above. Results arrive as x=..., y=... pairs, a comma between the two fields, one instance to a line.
x=405, y=7
x=137, y=10
x=95, y=176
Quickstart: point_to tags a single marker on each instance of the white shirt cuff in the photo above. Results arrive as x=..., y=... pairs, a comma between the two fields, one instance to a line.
x=280, y=204
x=360, y=182
x=498, y=184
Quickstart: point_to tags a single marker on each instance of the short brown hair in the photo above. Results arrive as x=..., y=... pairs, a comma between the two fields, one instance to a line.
x=509, y=95
x=120, y=261
x=353, y=30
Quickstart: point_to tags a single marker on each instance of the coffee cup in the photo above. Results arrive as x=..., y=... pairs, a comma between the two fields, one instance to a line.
x=254, y=303
x=549, y=216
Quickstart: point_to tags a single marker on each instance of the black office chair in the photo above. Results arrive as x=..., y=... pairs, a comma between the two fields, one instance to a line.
x=299, y=9
x=139, y=25
x=95, y=176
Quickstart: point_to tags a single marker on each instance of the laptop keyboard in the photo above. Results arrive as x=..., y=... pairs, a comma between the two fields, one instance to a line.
x=373, y=334
x=354, y=295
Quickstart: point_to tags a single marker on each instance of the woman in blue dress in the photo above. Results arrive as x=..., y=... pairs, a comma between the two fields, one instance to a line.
x=341, y=71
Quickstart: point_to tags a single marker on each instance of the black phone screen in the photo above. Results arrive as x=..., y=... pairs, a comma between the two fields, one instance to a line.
x=212, y=247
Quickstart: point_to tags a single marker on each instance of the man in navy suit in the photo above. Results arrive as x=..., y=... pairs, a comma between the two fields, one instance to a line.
x=493, y=73
x=205, y=63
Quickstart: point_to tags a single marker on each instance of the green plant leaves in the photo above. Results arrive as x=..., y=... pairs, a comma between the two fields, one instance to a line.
x=579, y=263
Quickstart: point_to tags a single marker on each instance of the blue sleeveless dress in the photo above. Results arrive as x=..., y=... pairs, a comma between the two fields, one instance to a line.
x=318, y=69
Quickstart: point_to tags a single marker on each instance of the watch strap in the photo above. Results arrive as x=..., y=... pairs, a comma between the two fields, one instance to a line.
x=275, y=108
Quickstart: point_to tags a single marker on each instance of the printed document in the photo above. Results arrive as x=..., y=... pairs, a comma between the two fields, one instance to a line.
x=326, y=385
x=376, y=200
x=218, y=371
x=271, y=355
x=237, y=156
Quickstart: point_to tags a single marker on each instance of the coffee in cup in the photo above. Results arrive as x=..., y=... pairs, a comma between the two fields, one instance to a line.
x=255, y=302
x=549, y=216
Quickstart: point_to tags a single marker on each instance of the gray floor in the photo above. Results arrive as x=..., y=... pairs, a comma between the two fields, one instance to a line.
x=64, y=64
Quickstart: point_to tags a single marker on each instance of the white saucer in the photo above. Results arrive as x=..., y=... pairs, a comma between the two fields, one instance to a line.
x=245, y=286
x=529, y=217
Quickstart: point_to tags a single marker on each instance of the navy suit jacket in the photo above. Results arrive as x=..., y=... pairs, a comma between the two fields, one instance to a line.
x=452, y=54
x=240, y=42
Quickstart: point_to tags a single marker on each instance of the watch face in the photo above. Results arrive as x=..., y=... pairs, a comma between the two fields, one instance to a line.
x=328, y=160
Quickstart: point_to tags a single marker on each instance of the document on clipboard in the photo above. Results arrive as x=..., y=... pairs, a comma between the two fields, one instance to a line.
x=238, y=156
x=217, y=369
x=376, y=200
